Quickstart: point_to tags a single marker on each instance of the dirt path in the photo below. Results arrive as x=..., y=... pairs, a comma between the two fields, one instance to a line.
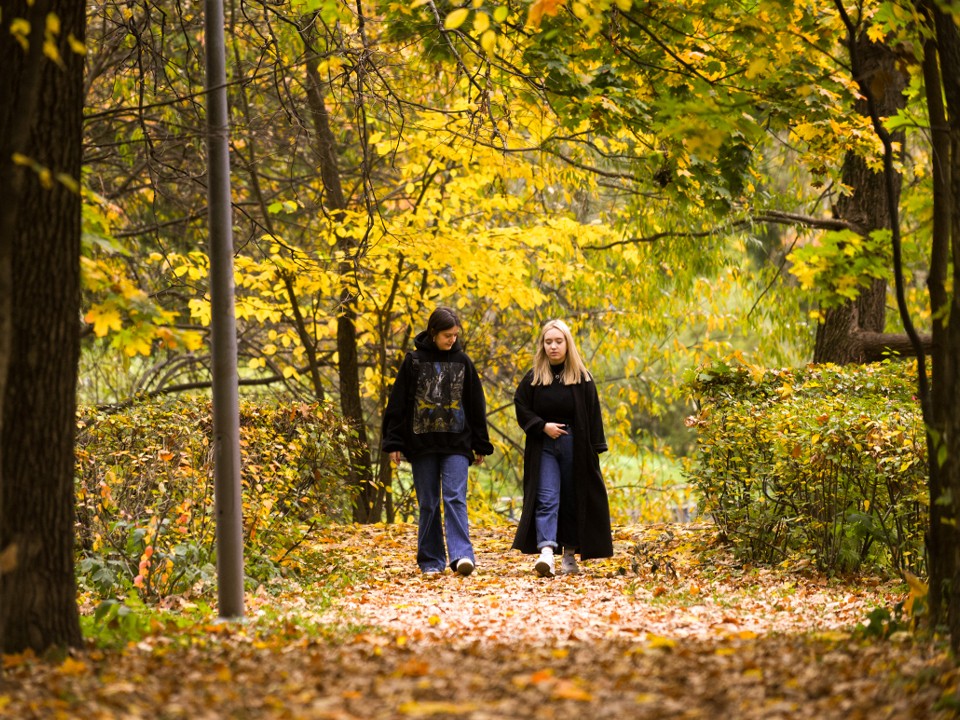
x=616, y=641
x=505, y=601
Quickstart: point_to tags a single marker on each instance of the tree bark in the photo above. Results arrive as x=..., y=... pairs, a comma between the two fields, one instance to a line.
x=840, y=333
x=940, y=534
x=944, y=442
x=368, y=503
x=38, y=607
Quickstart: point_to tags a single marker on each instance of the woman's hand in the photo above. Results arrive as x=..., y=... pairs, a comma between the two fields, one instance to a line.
x=553, y=430
x=478, y=459
x=396, y=456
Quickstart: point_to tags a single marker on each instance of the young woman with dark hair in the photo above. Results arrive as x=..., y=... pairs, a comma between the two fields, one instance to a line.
x=436, y=419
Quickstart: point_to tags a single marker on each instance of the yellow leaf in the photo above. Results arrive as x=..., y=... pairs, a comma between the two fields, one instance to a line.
x=481, y=22
x=488, y=41
x=73, y=667
x=756, y=67
x=104, y=319
x=76, y=45
x=456, y=18
x=655, y=641
x=137, y=345
x=20, y=29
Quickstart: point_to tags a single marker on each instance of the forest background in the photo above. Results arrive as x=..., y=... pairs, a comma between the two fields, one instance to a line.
x=685, y=184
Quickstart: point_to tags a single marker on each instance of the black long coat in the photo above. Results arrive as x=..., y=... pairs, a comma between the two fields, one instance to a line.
x=592, y=506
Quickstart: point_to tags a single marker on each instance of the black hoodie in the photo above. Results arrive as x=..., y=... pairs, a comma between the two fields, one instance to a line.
x=436, y=404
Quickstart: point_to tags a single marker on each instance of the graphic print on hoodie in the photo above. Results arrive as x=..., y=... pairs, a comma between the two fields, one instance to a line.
x=438, y=401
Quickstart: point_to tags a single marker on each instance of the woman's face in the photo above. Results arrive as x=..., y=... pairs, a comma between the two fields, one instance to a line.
x=555, y=345
x=444, y=339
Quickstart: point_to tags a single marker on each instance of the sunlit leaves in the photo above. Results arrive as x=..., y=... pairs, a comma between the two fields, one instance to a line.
x=841, y=264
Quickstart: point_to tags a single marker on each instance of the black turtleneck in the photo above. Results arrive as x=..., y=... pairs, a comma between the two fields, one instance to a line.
x=554, y=402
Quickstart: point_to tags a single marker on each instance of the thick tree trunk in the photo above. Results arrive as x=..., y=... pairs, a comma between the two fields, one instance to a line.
x=839, y=336
x=38, y=607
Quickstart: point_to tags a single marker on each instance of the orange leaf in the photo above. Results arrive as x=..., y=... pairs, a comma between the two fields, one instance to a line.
x=73, y=667
x=568, y=690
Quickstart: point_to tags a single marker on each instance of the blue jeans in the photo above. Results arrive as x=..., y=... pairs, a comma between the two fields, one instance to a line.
x=555, y=493
x=434, y=477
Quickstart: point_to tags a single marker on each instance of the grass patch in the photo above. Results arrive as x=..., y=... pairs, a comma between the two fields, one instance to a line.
x=647, y=487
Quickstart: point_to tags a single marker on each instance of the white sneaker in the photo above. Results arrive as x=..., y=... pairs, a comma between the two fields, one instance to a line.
x=568, y=563
x=465, y=566
x=544, y=566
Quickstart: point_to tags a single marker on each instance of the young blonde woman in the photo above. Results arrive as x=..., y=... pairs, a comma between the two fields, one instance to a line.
x=565, y=506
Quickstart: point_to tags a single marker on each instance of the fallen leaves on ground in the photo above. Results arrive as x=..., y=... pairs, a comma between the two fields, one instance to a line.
x=707, y=639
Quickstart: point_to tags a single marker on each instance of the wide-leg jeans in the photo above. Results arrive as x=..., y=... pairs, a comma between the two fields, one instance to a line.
x=442, y=477
x=555, y=491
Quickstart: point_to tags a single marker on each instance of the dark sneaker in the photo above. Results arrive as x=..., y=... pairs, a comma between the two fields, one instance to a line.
x=465, y=566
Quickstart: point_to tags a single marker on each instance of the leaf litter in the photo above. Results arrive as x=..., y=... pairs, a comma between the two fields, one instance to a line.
x=668, y=628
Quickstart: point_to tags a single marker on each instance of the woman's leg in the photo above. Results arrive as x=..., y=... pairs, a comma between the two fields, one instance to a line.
x=431, y=555
x=453, y=474
x=548, y=496
x=567, y=527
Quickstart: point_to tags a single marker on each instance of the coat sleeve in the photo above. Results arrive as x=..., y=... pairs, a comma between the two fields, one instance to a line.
x=395, y=414
x=529, y=421
x=597, y=438
x=477, y=413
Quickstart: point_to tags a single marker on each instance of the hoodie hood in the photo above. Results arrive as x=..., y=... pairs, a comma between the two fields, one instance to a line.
x=424, y=342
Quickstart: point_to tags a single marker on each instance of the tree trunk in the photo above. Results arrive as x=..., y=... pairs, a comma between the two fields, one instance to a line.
x=38, y=607
x=940, y=535
x=944, y=436
x=839, y=338
x=368, y=503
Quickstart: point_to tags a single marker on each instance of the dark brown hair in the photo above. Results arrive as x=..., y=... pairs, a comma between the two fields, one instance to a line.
x=443, y=318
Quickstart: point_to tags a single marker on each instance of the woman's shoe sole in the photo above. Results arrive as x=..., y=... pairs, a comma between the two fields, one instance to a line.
x=543, y=568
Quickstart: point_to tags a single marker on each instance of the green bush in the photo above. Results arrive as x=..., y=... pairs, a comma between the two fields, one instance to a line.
x=145, y=500
x=825, y=463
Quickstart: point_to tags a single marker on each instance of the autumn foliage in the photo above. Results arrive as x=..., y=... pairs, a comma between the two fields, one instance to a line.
x=822, y=465
x=145, y=515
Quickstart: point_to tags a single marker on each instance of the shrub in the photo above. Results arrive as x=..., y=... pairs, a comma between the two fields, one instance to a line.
x=145, y=500
x=826, y=463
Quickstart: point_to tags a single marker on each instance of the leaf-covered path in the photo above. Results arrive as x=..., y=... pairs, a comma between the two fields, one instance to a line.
x=616, y=641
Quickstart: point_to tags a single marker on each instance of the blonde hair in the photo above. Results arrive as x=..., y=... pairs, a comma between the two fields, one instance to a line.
x=574, y=371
